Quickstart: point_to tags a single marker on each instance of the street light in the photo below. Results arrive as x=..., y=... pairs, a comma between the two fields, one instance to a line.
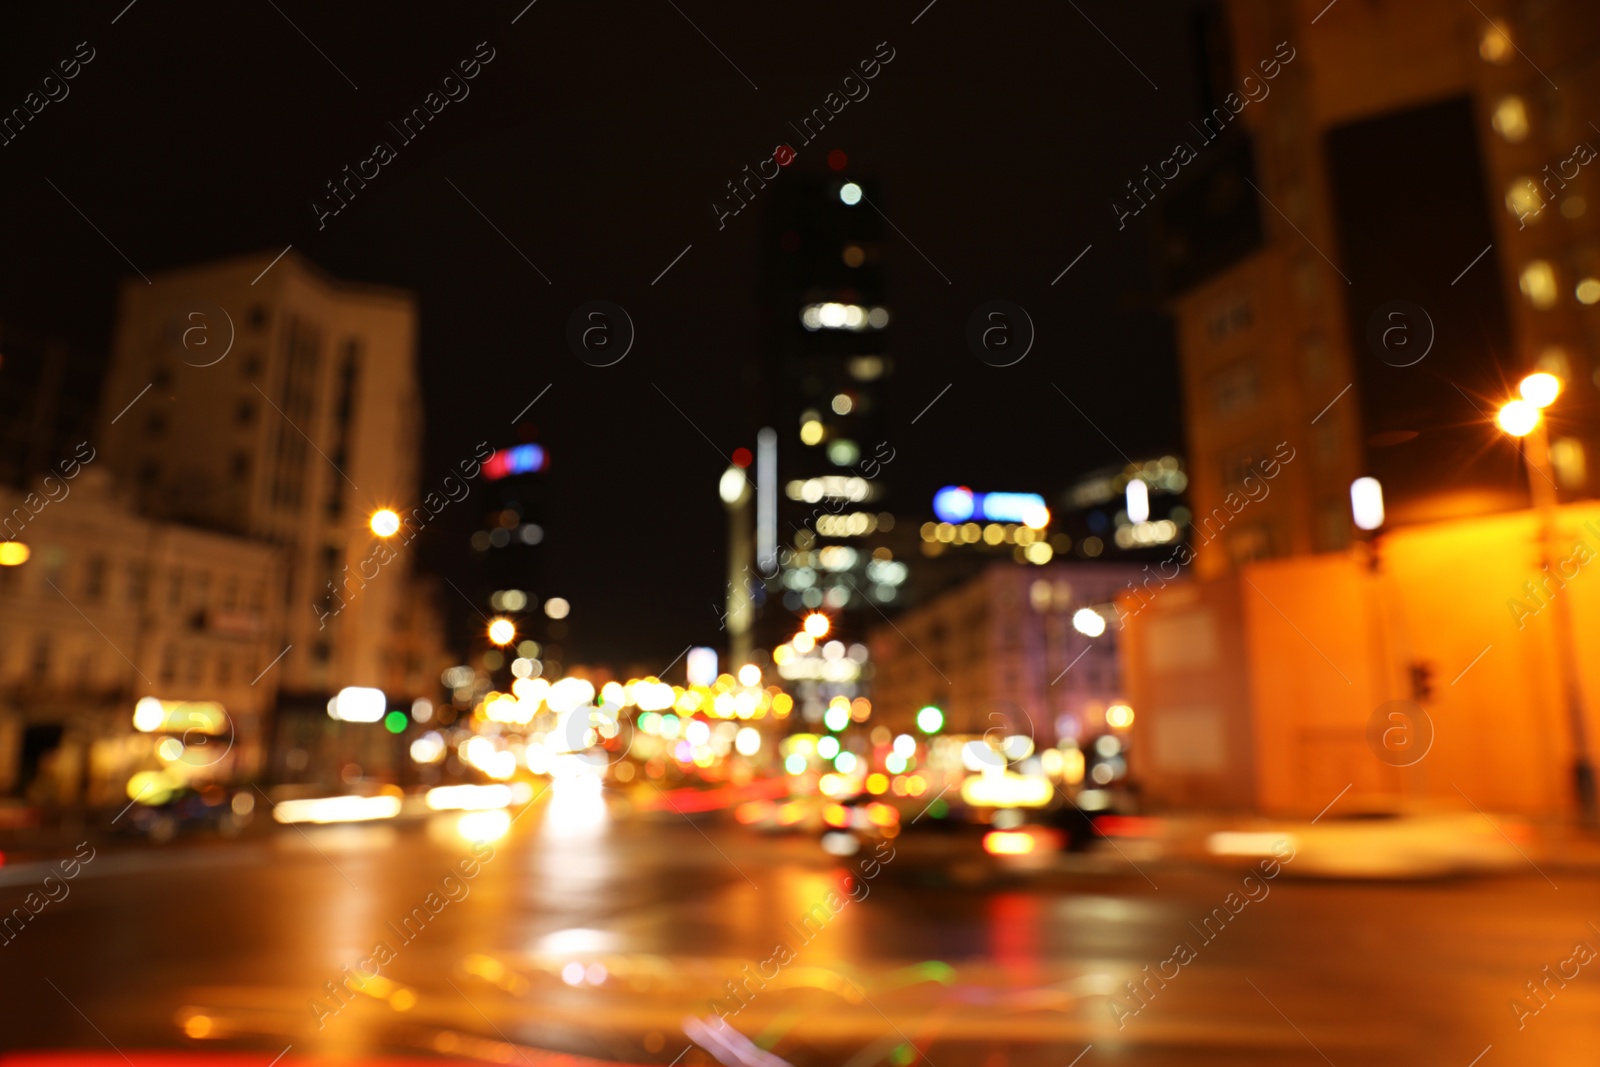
x=816, y=625
x=1517, y=417
x=1523, y=418
x=502, y=631
x=384, y=522
x=1540, y=389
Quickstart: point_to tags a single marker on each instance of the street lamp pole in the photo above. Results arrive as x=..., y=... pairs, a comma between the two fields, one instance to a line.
x=1543, y=488
x=1524, y=418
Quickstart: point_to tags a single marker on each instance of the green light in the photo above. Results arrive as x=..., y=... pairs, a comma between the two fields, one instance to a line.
x=836, y=718
x=930, y=720
x=395, y=722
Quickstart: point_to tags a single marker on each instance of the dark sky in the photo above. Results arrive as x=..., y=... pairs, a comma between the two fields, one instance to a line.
x=595, y=140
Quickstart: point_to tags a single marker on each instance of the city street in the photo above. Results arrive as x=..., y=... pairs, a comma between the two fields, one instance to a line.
x=589, y=934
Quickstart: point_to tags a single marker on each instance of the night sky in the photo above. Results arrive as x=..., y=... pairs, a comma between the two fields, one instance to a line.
x=596, y=140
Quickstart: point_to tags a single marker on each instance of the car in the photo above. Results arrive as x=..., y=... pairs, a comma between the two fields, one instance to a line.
x=1385, y=844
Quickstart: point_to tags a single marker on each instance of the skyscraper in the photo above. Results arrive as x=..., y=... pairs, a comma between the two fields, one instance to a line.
x=826, y=289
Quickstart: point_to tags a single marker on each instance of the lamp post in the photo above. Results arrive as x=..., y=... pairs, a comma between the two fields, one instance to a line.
x=1524, y=418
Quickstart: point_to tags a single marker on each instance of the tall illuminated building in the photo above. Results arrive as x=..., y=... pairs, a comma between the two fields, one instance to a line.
x=827, y=361
x=509, y=573
x=1362, y=261
x=1417, y=238
x=261, y=397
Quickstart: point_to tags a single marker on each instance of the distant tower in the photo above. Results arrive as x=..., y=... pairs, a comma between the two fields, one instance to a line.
x=823, y=269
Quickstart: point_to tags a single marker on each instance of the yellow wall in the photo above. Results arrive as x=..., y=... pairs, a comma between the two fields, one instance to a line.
x=1326, y=640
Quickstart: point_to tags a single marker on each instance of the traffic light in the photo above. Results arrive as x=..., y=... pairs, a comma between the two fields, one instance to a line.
x=1421, y=681
x=930, y=720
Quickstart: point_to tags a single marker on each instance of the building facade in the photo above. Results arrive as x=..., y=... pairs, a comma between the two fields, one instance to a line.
x=1004, y=643
x=265, y=399
x=1364, y=253
x=101, y=608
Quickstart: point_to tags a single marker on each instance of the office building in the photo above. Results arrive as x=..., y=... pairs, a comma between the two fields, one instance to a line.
x=260, y=397
x=102, y=610
x=1379, y=228
x=1036, y=645
x=820, y=539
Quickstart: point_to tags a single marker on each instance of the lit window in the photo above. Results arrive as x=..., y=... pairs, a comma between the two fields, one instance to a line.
x=1522, y=199
x=1568, y=458
x=1538, y=283
x=1495, y=43
x=1510, y=119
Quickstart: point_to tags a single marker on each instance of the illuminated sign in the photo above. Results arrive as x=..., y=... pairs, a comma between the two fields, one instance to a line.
x=151, y=715
x=356, y=703
x=521, y=459
x=1006, y=790
x=702, y=666
x=957, y=503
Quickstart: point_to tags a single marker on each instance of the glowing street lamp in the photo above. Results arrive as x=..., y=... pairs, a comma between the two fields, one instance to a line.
x=816, y=625
x=1517, y=417
x=1540, y=389
x=385, y=522
x=502, y=631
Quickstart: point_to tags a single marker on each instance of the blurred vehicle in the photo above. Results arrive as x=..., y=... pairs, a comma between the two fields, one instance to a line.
x=1385, y=844
x=788, y=815
x=210, y=810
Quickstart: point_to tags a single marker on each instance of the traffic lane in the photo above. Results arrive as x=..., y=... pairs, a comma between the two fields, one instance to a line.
x=1373, y=967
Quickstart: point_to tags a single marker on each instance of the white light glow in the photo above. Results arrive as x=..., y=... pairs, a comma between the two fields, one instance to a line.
x=336, y=809
x=1138, y=500
x=1089, y=622
x=358, y=704
x=1366, y=503
x=468, y=797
